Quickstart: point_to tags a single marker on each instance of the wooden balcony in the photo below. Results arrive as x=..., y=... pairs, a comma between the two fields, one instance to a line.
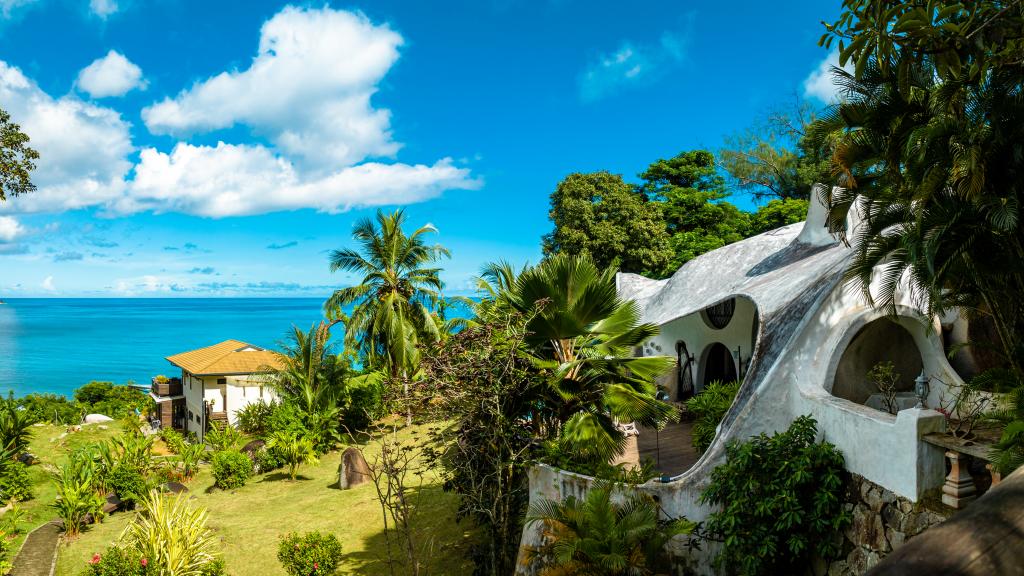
x=171, y=387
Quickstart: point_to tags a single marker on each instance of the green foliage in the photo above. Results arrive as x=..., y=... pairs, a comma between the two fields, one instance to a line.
x=583, y=333
x=293, y=449
x=15, y=427
x=12, y=520
x=17, y=159
x=264, y=460
x=173, y=439
x=253, y=418
x=117, y=561
x=189, y=458
x=223, y=437
x=231, y=469
x=15, y=483
x=52, y=408
x=172, y=535
x=76, y=500
x=128, y=483
x=776, y=214
x=393, y=301
x=708, y=408
x=112, y=400
x=604, y=537
x=309, y=554
x=6, y=563
x=774, y=158
x=779, y=500
x=601, y=215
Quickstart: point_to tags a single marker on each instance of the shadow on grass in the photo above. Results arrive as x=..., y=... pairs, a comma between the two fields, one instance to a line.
x=283, y=476
x=441, y=543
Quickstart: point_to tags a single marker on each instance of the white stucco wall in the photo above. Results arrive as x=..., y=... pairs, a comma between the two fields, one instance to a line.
x=244, y=390
x=192, y=388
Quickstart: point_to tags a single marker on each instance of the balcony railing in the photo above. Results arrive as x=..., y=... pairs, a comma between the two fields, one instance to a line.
x=169, y=387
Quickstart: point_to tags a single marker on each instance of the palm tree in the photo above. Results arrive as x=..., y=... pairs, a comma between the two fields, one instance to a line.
x=398, y=290
x=597, y=537
x=584, y=333
x=294, y=449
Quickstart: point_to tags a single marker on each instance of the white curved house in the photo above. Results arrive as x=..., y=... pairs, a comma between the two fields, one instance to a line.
x=774, y=312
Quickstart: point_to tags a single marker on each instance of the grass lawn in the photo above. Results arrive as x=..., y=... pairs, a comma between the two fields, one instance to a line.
x=249, y=521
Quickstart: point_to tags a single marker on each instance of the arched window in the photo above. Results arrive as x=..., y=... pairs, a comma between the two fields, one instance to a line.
x=719, y=315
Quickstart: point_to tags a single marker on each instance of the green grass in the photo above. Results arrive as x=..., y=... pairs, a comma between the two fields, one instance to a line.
x=249, y=521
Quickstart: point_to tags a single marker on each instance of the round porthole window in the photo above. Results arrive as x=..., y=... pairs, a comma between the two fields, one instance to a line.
x=719, y=315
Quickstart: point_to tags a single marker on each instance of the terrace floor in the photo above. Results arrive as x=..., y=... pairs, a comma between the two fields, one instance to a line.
x=670, y=450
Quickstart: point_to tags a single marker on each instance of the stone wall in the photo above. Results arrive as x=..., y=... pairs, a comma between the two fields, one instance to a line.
x=882, y=522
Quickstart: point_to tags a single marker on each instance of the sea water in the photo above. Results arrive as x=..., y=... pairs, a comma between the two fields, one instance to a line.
x=55, y=344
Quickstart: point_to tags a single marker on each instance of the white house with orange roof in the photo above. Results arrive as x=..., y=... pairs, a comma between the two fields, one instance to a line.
x=219, y=380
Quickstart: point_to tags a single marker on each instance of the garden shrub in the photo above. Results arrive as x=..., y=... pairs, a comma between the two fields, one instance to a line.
x=707, y=409
x=112, y=400
x=128, y=483
x=14, y=481
x=266, y=459
x=309, y=553
x=117, y=561
x=780, y=500
x=254, y=418
x=6, y=562
x=52, y=408
x=365, y=403
x=173, y=439
x=222, y=438
x=231, y=469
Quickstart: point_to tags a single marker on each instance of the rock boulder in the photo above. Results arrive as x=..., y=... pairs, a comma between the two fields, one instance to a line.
x=353, y=470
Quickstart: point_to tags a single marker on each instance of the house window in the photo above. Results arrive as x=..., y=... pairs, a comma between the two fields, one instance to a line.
x=222, y=380
x=719, y=315
x=191, y=417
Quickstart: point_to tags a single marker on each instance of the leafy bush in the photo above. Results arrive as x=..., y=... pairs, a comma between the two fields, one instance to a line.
x=11, y=521
x=51, y=408
x=365, y=402
x=596, y=535
x=780, y=500
x=76, y=499
x=128, y=483
x=113, y=400
x=117, y=561
x=14, y=479
x=189, y=458
x=264, y=460
x=222, y=438
x=6, y=563
x=173, y=439
x=254, y=419
x=309, y=553
x=15, y=427
x=231, y=469
x=708, y=408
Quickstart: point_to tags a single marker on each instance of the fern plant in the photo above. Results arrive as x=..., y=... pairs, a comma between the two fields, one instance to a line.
x=708, y=408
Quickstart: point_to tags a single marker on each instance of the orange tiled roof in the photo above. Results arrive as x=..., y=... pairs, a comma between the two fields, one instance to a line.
x=228, y=357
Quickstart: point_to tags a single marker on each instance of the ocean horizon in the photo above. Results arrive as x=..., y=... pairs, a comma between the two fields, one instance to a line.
x=54, y=345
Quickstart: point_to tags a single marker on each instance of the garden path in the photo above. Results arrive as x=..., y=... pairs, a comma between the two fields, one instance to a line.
x=39, y=552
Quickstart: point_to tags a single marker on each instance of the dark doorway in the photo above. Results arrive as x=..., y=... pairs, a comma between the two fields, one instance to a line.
x=684, y=360
x=718, y=365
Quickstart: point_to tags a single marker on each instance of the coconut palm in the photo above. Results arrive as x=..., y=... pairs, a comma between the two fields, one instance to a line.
x=584, y=333
x=394, y=298
x=598, y=537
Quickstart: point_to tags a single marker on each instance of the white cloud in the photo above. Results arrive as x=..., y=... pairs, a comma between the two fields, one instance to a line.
x=112, y=75
x=7, y=6
x=307, y=90
x=234, y=180
x=83, y=148
x=10, y=229
x=819, y=84
x=47, y=284
x=631, y=64
x=103, y=8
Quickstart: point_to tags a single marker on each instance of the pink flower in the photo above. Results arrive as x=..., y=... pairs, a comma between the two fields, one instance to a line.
x=316, y=566
x=145, y=562
x=95, y=558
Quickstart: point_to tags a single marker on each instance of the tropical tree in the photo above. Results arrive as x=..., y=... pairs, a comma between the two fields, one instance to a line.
x=294, y=449
x=601, y=215
x=596, y=536
x=927, y=148
x=15, y=427
x=313, y=380
x=17, y=159
x=584, y=334
x=396, y=294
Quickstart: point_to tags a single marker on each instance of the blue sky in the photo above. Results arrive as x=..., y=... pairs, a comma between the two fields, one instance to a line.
x=222, y=148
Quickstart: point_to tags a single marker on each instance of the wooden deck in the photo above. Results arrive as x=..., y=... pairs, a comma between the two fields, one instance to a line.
x=669, y=450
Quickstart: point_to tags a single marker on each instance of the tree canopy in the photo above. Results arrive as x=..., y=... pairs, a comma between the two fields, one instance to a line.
x=17, y=159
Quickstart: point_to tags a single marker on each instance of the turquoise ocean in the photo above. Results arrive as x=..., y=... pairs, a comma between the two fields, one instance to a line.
x=55, y=345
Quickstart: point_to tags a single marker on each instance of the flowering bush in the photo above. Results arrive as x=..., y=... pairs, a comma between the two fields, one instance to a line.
x=117, y=561
x=309, y=554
